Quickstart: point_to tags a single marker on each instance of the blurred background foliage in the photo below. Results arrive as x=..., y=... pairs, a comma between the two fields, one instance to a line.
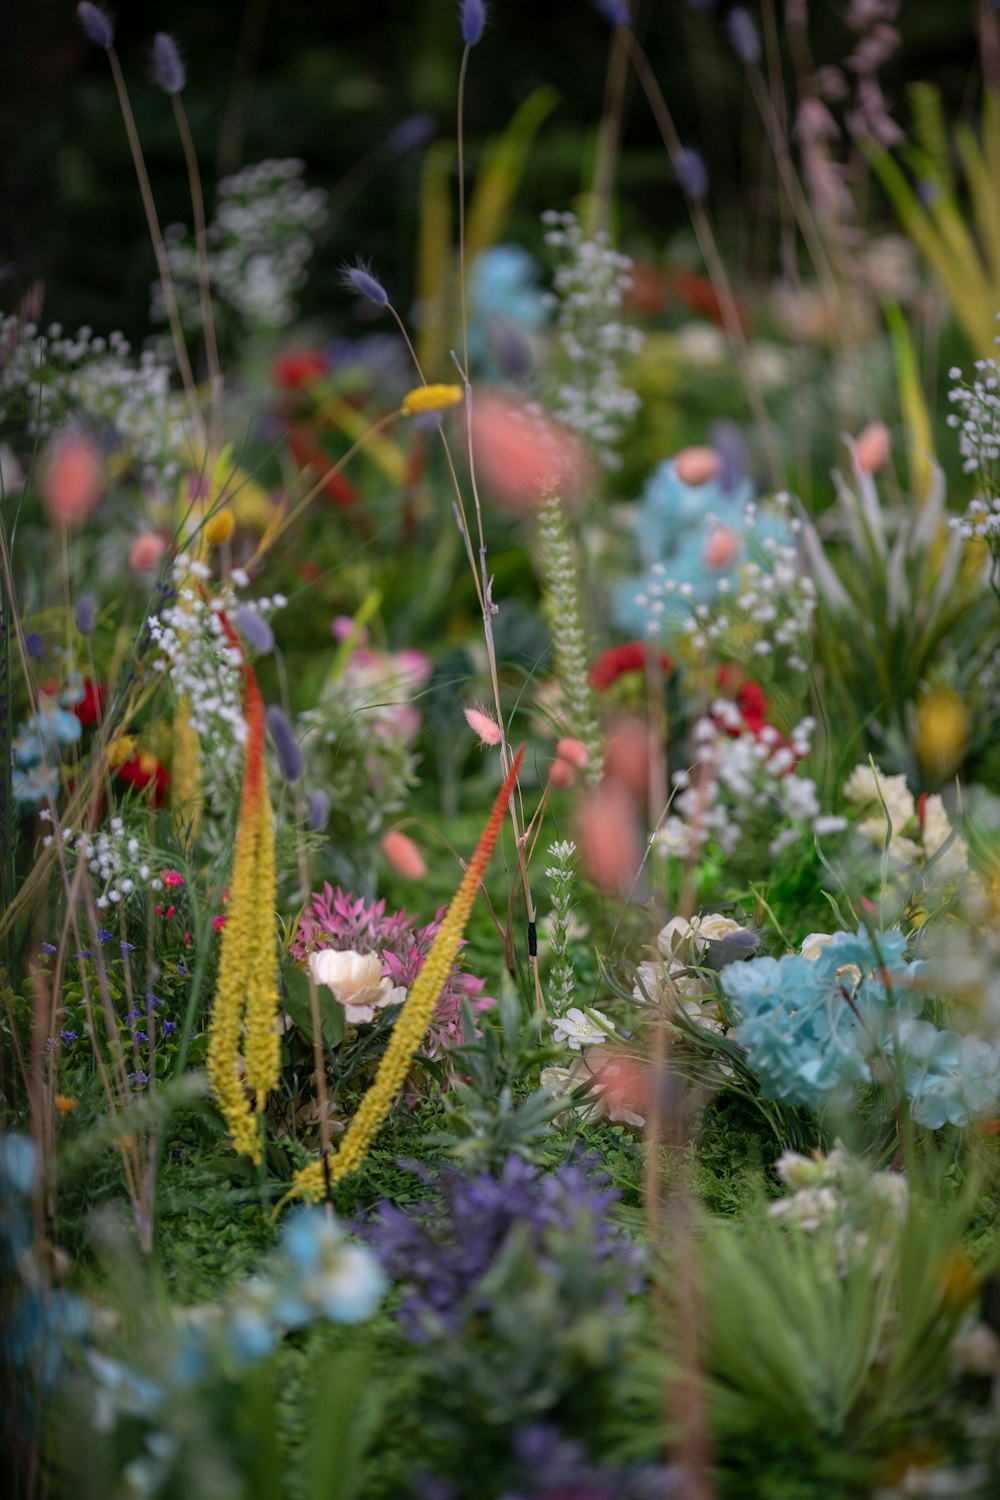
x=328, y=81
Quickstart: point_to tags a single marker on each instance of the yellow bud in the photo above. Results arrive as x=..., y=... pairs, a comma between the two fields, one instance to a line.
x=942, y=731
x=120, y=749
x=219, y=528
x=431, y=398
x=64, y=1104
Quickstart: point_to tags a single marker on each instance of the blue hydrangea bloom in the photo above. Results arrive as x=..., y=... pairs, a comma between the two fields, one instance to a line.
x=814, y=1028
x=672, y=530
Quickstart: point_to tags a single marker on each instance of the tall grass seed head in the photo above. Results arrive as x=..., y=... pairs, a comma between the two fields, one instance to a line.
x=290, y=756
x=360, y=279
x=484, y=725
x=692, y=173
x=743, y=35
x=96, y=23
x=472, y=20
x=168, y=67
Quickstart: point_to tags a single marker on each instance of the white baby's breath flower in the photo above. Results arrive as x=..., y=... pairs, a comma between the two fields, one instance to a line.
x=581, y=1028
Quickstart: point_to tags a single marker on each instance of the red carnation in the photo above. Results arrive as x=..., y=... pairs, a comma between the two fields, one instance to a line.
x=619, y=660
x=143, y=769
x=91, y=705
x=298, y=369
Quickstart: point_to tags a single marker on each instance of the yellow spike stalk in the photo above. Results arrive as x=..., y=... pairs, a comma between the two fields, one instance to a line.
x=414, y=1018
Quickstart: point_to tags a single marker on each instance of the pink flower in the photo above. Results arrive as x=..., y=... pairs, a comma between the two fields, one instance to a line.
x=146, y=552
x=575, y=751
x=561, y=773
x=607, y=837
x=872, y=448
x=696, y=466
x=521, y=455
x=172, y=878
x=72, y=480
x=722, y=548
x=484, y=725
x=403, y=855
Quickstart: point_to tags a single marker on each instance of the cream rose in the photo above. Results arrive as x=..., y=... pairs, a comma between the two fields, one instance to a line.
x=356, y=981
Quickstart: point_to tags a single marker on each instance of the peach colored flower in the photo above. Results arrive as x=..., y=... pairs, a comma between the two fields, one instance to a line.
x=575, y=751
x=146, y=552
x=72, y=479
x=522, y=456
x=484, y=725
x=607, y=837
x=722, y=548
x=561, y=773
x=626, y=756
x=403, y=855
x=696, y=466
x=872, y=448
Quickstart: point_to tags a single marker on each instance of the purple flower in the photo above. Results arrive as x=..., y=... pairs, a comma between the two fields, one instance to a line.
x=472, y=19
x=48, y=947
x=86, y=614
x=138, y=1079
x=319, y=811
x=97, y=27
x=691, y=173
x=411, y=134
x=141, y=1036
x=359, y=279
x=33, y=643
x=290, y=756
x=555, y=1467
x=255, y=630
x=168, y=68
x=126, y=948
x=743, y=36
x=615, y=12
x=168, y=1027
x=66, y=1037
x=86, y=953
x=104, y=936
x=152, y=1000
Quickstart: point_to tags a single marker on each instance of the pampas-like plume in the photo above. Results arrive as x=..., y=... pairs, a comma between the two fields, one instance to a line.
x=414, y=1018
x=560, y=577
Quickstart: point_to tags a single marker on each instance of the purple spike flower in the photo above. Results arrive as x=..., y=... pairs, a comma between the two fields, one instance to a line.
x=255, y=630
x=319, y=811
x=615, y=12
x=691, y=172
x=97, y=27
x=410, y=134
x=360, y=279
x=168, y=68
x=743, y=35
x=290, y=756
x=472, y=19
x=86, y=614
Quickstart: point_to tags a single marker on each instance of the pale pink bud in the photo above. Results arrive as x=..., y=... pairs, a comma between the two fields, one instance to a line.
x=696, y=466
x=575, y=751
x=484, y=725
x=72, y=480
x=561, y=773
x=608, y=838
x=522, y=456
x=403, y=855
x=722, y=548
x=146, y=552
x=872, y=448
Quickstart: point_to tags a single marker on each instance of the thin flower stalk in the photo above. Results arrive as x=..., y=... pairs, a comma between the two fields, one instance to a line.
x=414, y=1018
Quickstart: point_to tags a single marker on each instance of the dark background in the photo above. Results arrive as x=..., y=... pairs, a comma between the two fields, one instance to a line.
x=327, y=80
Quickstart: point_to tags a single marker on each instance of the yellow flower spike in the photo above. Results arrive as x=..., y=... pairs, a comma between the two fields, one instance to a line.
x=431, y=398
x=119, y=749
x=220, y=527
x=243, y=1046
x=186, y=769
x=414, y=1018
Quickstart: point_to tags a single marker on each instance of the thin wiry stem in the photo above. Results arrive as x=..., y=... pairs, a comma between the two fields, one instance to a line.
x=204, y=282
x=159, y=248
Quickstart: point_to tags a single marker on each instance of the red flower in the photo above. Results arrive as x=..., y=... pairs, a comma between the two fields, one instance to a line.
x=751, y=700
x=298, y=369
x=142, y=770
x=619, y=660
x=91, y=705
x=307, y=452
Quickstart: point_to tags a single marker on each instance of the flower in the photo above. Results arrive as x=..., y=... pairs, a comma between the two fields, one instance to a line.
x=219, y=527
x=403, y=855
x=143, y=770
x=484, y=725
x=72, y=479
x=431, y=398
x=356, y=982
x=619, y=661
x=579, y=1028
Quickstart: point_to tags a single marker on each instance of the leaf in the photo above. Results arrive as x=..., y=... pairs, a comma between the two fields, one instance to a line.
x=346, y=1416
x=298, y=1004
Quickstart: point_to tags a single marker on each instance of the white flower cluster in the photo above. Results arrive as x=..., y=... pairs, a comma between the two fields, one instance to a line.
x=120, y=858
x=977, y=419
x=914, y=836
x=48, y=378
x=589, y=287
x=199, y=657
x=738, y=774
x=259, y=245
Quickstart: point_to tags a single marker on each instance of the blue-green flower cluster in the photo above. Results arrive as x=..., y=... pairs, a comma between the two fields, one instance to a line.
x=813, y=1028
x=39, y=743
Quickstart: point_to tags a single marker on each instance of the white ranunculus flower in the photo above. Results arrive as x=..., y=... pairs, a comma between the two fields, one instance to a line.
x=813, y=944
x=937, y=829
x=356, y=981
